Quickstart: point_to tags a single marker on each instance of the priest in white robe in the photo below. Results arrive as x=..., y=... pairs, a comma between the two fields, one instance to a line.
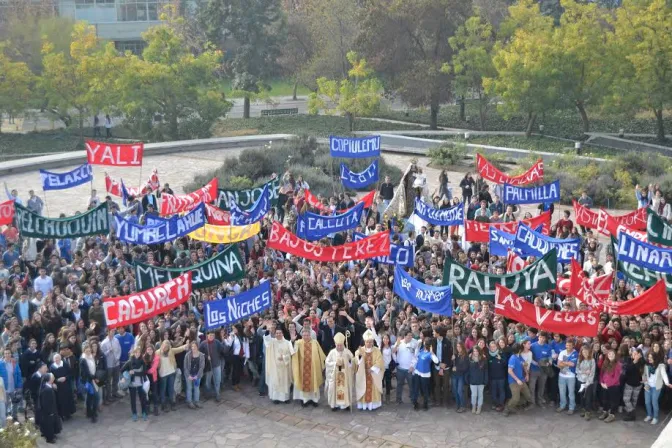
x=338, y=386
x=278, y=366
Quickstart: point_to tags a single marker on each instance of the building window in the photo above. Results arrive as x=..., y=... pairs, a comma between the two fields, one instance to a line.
x=140, y=10
x=134, y=46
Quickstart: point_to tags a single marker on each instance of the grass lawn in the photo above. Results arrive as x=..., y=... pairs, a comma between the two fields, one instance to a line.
x=279, y=87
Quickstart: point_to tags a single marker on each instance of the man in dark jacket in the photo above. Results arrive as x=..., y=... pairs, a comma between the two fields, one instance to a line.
x=443, y=350
x=214, y=352
x=327, y=333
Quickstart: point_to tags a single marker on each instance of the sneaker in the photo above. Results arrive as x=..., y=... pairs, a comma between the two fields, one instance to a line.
x=506, y=412
x=587, y=416
x=191, y=405
x=603, y=415
x=218, y=399
x=570, y=412
x=654, y=421
x=144, y=416
x=559, y=410
x=416, y=406
x=198, y=405
x=647, y=419
x=134, y=417
x=610, y=418
x=528, y=407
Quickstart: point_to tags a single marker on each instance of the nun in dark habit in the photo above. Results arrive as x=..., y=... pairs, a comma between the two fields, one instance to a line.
x=64, y=394
x=50, y=422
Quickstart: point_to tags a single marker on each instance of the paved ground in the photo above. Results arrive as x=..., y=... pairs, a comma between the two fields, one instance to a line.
x=244, y=419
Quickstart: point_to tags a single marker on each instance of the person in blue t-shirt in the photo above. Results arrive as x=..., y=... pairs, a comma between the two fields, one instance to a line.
x=542, y=357
x=126, y=340
x=517, y=382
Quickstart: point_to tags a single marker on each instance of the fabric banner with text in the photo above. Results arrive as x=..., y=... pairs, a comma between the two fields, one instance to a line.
x=160, y=230
x=359, y=180
x=93, y=222
x=217, y=216
x=376, y=245
x=490, y=172
x=127, y=310
x=229, y=310
x=102, y=153
x=652, y=300
x=171, y=204
x=246, y=198
x=354, y=148
x=541, y=194
x=61, y=181
x=225, y=234
x=644, y=276
x=658, y=231
x=644, y=254
x=574, y=323
x=113, y=186
x=479, y=232
x=255, y=214
x=531, y=243
x=606, y=223
x=6, y=212
x=453, y=216
x=502, y=242
x=399, y=254
x=311, y=226
x=226, y=266
x=515, y=263
x=432, y=299
x=540, y=276
x=315, y=202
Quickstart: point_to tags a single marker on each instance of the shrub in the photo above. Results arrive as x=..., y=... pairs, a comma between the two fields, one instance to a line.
x=448, y=154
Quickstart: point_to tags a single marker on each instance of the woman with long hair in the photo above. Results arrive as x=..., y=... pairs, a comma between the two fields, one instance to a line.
x=655, y=376
x=167, y=373
x=477, y=378
x=497, y=374
x=87, y=372
x=585, y=376
x=48, y=348
x=634, y=371
x=386, y=350
x=194, y=364
x=610, y=382
x=152, y=366
x=136, y=368
x=460, y=369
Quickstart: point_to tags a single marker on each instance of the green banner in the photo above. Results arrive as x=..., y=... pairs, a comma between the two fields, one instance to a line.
x=246, y=198
x=644, y=276
x=93, y=222
x=226, y=266
x=658, y=231
x=540, y=276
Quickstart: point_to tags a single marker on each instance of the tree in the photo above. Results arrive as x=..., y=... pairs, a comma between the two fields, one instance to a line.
x=16, y=81
x=527, y=73
x=642, y=45
x=407, y=43
x=299, y=48
x=358, y=95
x=473, y=43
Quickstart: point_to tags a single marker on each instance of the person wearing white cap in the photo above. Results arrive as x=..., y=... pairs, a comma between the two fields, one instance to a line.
x=338, y=384
x=370, y=371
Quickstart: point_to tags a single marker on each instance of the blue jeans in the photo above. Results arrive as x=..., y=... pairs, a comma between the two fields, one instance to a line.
x=419, y=385
x=477, y=394
x=402, y=377
x=566, y=385
x=497, y=389
x=193, y=392
x=651, y=397
x=167, y=387
x=216, y=374
x=457, y=384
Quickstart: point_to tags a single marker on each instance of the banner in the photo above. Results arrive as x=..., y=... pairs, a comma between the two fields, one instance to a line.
x=160, y=230
x=311, y=226
x=580, y=284
x=528, y=242
x=354, y=148
x=652, y=300
x=644, y=276
x=6, y=212
x=61, y=181
x=373, y=246
x=226, y=266
x=229, y=310
x=606, y=223
x=545, y=194
x=515, y=263
x=644, y=254
x=490, y=172
x=658, y=231
x=399, y=254
x=93, y=222
x=225, y=234
x=363, y=179
x=138, y=307
x=501, y=242
x=314, y=202
x=101, y=153
x=171, y=204
x=479, y=232
x=113, y=186
x=255, y=214
x=574, y=323
x=468, y=284
x=453, y=216
x=246, y=198
x=432, y=299
x=217, y=216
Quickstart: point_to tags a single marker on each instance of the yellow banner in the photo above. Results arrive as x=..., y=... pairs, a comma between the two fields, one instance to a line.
x=225, y=234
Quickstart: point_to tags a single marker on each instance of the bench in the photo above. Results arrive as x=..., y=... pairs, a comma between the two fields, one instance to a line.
x=272, y=112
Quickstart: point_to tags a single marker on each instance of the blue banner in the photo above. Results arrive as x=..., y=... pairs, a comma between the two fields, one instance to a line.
x=61, y=181
x=433, y=299
x=259, y=209
x=531, y=243
x=542, y=194
x=453, y=216
x=354, y=148
x=229, y=310
x=399, y=254
x=359, y=180
x=161, y=230
x=500, y=241
x=311, y=226
x=643, y=254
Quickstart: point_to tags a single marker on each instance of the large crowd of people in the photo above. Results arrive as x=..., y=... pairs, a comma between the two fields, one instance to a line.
x=334, y=328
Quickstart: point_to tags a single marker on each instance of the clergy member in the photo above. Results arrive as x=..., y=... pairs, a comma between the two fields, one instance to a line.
x=307, y=365
x=370, y=372
x=339, y=375
x=278, y=366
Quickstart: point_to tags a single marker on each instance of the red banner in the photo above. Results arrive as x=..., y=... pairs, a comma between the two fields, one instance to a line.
x=312, y=200
x=6, y=213
x=488, y=171
x=652, y=300
x=607, y=224
x=171, y=204
x=376, y=245
x=138, y=307
x=113, y=186
x=575, y=323
x=217, y=216
x=514, y=262
x=479, y=232
x=101, y=153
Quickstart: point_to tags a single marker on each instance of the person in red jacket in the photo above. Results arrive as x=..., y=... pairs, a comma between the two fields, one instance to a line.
x=610, y=332
x=610, y=382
